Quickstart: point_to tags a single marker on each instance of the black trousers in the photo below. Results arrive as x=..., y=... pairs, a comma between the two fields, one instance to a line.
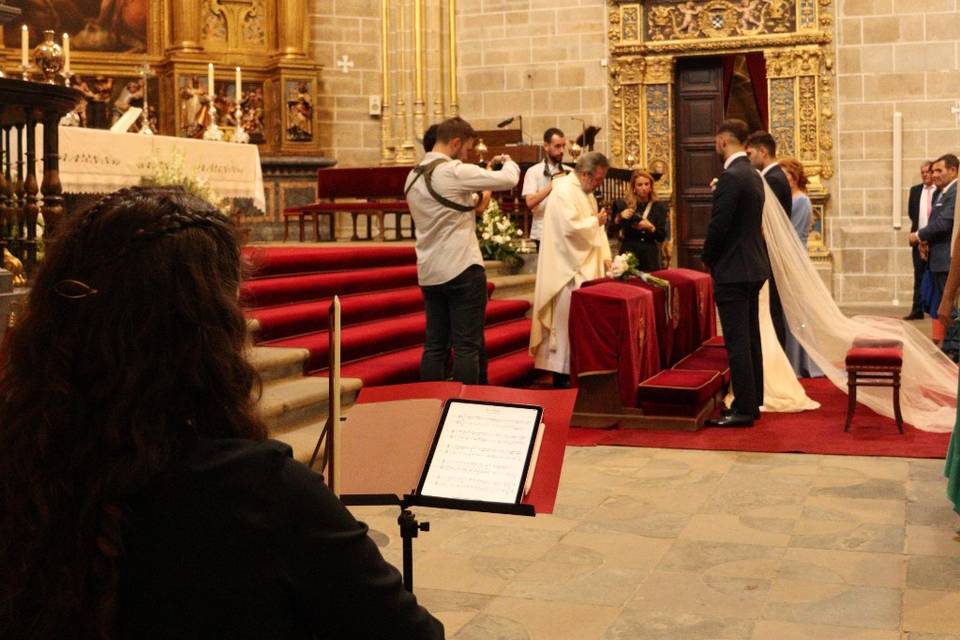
x=776, y=314
x=918, y=268
x=738, y=305
x=455, y=316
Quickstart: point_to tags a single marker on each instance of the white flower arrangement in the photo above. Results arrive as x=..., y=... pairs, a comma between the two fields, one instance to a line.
x=497, y=234
x=170, y=173
x=624, y=266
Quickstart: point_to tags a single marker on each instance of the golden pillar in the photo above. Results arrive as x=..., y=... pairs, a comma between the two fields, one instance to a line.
x=292, y=30
x=388, y=150
x=185, y=23
x=419, y=71
x=454, y=105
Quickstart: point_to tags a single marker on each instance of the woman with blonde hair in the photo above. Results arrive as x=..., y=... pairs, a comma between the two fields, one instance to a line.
x=641, y=221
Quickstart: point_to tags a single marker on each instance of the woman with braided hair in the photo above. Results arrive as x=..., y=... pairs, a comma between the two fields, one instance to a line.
x=139, y=495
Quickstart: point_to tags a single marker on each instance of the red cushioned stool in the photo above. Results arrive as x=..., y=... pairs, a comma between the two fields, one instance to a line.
x=683, y=393
x=874, y=363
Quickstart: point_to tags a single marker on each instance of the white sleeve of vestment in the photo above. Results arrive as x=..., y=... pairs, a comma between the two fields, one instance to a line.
x=578, y=227
x=470, y=177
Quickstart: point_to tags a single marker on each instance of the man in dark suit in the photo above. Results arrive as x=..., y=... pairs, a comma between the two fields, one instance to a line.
x=762, y=151
x=938, y=234
x=737, y=256
x=919, y=206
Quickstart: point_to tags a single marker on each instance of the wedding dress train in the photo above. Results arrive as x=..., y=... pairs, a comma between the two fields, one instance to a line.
x=782, y=392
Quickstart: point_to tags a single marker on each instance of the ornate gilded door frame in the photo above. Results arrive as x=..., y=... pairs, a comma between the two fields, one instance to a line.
x=645, y=40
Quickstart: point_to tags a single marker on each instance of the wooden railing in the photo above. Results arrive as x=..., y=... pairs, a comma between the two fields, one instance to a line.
x=24, y=106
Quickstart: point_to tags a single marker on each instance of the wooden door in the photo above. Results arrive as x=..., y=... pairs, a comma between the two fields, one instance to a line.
x=699, y=110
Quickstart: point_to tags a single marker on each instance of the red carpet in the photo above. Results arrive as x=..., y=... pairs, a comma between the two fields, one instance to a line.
x=289, y=294
x=818, y=431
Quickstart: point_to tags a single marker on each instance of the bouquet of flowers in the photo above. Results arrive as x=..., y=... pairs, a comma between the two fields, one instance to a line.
x=498, y=235
x=624, y=266
x=170, y=173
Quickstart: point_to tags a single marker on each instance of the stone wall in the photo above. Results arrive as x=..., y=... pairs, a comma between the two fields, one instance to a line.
x=543, y=59
x=347, y=28
x=892, y=55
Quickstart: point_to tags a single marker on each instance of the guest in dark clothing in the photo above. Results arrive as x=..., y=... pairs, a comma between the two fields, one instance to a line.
x=919, y=207
x=641, y=221
x=140, y=496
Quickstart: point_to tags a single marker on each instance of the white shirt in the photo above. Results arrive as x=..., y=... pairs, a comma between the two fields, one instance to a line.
x=738, y=154
x=926, y=204
x=535, y=181
x=768, y=167
x=446, y=238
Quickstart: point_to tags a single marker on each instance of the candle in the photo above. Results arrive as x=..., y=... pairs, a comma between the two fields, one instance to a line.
x=210, y=91
x=239, y=96
x=24, y=45
x=66, y=54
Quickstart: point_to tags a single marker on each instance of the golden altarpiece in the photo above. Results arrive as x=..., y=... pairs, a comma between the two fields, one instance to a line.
x=117, y=45
x=648, y=39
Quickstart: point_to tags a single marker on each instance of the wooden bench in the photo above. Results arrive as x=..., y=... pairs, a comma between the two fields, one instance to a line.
x=372, y=192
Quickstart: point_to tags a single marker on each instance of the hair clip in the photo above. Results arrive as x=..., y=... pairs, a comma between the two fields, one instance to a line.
x=73, y=289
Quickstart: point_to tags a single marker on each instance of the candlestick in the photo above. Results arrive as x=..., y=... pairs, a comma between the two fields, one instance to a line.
x=24, y=46
x=210, y=91
x=239, y=93
x=66, y=54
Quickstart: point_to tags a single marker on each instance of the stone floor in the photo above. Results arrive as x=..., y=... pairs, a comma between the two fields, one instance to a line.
x=660, y=544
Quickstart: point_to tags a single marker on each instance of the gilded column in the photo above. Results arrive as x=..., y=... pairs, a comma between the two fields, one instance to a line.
x=441, y=78
x=388, y=149
x=406, y=150
x=292, y=28
x=657, y=109
x=419, y=105
x=185, y=23
x=454, y=106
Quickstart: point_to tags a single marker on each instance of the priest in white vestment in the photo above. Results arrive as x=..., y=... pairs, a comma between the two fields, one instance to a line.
x=574, y=248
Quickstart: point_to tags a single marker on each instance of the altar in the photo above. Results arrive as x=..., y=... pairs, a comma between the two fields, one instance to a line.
x=94, y=161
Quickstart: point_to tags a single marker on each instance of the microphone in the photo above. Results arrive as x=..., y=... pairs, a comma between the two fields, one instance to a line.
x=501, y=125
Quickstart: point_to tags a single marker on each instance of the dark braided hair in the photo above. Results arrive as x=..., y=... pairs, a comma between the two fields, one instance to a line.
x=129, y=346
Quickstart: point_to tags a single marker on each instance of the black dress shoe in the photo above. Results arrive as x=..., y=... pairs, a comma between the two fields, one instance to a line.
x=731, y=420
x=731, y=412
x=913, y=316
x=561, y=381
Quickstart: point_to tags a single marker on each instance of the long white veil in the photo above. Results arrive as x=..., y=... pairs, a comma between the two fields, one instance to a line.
x=928, y=392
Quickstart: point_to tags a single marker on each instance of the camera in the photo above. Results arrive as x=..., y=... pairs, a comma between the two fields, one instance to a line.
x=497, y=165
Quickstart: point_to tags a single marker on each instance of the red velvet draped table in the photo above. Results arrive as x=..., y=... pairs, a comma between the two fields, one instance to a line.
x=693, y=312
x=661, y=314
x=613, y=328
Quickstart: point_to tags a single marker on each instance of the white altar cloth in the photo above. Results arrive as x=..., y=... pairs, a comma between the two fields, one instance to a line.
x=97, y=161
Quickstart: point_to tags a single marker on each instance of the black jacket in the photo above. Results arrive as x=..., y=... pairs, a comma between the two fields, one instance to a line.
x=940, y=229
x=913, y=206
x=237, y=540
x=657, y=217
x=777, y=180
x=734, y=248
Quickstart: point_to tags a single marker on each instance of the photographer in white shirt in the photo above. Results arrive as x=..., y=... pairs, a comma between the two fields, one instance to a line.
x=442, y=193
x=538, y=181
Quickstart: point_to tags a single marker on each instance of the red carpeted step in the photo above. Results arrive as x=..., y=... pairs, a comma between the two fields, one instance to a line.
x=268, y=261
x=390, y=334
x=515, y=369
x=504, y=342
x=288, y=289
x=304, y=317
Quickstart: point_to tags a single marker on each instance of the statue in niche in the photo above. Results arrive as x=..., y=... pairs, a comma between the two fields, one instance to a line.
x=194, y=109
x=300, y=112
x=252, y=104
x=130, y=96
x=225, y=108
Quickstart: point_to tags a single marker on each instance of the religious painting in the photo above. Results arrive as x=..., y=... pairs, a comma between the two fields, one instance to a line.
x=107, y=98
x=93, y=25
x=299, y=103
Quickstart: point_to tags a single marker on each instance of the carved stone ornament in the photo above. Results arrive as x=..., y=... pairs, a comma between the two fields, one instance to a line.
x=686, y=19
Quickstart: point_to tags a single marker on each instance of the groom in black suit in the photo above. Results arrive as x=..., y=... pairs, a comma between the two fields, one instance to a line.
x=737, y=256
x=762, y=152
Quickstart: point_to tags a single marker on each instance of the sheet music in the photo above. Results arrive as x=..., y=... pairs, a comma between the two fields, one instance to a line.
x=481, y=452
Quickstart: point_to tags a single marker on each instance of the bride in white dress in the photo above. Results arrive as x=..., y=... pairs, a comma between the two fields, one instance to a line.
x=928, y=393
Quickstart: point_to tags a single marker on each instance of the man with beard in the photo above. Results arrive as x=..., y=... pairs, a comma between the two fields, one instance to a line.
x=538, y=181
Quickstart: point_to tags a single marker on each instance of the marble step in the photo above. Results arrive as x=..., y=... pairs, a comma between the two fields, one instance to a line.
x=513, y=287
x=291, y=403
x=276, y=363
